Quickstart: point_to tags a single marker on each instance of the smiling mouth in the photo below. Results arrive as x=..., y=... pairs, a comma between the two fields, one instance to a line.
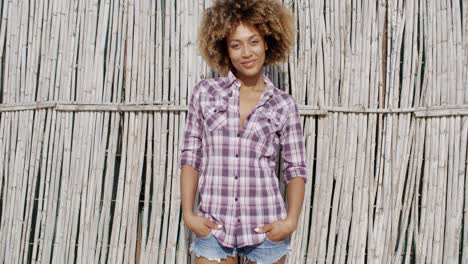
x=248, y=64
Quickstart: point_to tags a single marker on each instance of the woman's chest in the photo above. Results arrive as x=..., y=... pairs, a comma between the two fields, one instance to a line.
x=232, y=121
x=247, y=105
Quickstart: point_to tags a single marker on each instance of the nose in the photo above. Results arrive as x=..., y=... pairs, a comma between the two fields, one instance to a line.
x=246, y=52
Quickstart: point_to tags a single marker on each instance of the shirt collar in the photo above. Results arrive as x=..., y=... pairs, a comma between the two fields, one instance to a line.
x=232, y=83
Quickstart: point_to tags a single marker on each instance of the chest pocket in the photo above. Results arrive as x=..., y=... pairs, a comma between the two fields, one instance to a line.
x=216, y=116
x=267, y=123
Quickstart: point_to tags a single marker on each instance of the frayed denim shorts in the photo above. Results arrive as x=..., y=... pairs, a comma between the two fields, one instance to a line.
x=267, y=252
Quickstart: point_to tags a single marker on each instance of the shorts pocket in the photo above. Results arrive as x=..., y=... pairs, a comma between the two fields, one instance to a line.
x=271, y=241
x=204, y=237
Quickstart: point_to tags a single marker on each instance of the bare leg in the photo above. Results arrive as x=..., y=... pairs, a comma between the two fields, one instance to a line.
x=229, y=260
x=281, y=261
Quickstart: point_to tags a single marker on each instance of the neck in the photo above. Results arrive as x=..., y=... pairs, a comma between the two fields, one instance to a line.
x=254, y=83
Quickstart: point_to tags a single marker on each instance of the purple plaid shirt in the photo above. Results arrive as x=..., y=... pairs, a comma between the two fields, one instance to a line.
x=238, y=186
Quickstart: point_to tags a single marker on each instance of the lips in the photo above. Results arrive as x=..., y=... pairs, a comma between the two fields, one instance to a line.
x=248, y=64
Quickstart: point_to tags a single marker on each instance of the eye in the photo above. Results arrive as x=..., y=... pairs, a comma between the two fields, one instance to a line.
x=234, y=46
x=255, y=41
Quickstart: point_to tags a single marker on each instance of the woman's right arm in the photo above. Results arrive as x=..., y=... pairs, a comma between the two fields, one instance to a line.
x=188, y=189
x=190, y=161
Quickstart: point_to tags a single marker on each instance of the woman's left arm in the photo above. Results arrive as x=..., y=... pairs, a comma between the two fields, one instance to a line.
x=294, y=174
x=293, y=147
x=294, y=164
x=296, y=190
x=281, y=229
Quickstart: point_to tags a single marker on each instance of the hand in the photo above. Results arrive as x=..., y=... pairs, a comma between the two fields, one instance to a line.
x=278, y=230
x=200, y=225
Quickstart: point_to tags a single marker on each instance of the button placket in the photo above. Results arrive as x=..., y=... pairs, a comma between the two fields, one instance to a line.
x=236, y=185
x=238, y=151
x=237, y=191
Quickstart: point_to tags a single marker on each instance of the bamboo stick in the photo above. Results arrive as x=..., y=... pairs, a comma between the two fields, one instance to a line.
x=100, y=140
x=405, y=187
x=55, y=169
x=186, y=57
x=18, y=159
x=167, y=124
x=142, y=239
x=89, y=94
x=155, y=222
x=61, y=250
x=44, y=168
x=33, y=170
x=123, y=250
x=462, y=178
x=318, y=204
x=114, y=75
x=337, y=173
x=4, y=138
x=137, y=135
x=173, y=170
x=359, y=214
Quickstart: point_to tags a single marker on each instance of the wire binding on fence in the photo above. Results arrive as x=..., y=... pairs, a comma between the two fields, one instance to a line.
x=305, y=110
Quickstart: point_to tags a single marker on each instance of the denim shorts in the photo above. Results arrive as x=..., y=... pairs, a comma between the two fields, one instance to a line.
x=266, y=252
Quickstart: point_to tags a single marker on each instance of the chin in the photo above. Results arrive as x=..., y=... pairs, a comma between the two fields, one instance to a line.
x=250, y=72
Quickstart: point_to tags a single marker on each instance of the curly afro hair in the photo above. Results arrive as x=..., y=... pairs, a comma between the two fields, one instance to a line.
x=273, y=20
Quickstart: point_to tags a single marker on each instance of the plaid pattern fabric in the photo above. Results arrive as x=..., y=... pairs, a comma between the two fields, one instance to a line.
x=238, y=186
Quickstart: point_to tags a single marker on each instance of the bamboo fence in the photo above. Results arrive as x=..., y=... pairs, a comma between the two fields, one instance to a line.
x=93, y=102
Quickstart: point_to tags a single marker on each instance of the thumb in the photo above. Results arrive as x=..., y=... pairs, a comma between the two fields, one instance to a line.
x=212, y=225
x=264, y=229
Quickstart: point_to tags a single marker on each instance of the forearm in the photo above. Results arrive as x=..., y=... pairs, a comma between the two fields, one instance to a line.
x=188, y=188
x=295, y=193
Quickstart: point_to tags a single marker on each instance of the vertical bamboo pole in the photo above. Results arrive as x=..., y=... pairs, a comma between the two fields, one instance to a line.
x=173, y=170
x=114, y=80
x=158, y=146
x=148, y=35
x=166, y=125
x=187, y=57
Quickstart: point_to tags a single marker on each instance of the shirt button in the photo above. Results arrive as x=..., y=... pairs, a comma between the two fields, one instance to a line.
x=235, y=199
x=235, y=178
x=237, y=155
x=238, y=134
x=238, y=220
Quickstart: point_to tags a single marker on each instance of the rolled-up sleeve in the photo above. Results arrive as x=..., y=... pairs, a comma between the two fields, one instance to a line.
x=191, y=149
x=292, y=142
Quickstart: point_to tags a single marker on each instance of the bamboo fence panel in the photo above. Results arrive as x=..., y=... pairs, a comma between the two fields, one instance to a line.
x=93, y=101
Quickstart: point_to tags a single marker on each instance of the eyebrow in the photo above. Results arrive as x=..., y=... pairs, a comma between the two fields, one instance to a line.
x=254, y=35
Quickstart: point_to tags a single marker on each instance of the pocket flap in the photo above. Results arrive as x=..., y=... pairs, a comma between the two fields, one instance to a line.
x=270, y=117
x=215, y=116
x=216, y=108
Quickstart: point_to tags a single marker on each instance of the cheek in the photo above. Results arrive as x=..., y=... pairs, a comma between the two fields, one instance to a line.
x=261, y=52
x=233, y=56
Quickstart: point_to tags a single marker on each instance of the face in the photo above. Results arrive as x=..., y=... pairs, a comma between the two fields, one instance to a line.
x=246, y=48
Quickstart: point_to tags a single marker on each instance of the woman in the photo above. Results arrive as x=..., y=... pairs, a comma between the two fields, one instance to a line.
x=235, y=127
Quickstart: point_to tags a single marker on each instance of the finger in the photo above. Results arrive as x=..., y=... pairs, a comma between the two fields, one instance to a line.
x=212, y=225
x=264, y=229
